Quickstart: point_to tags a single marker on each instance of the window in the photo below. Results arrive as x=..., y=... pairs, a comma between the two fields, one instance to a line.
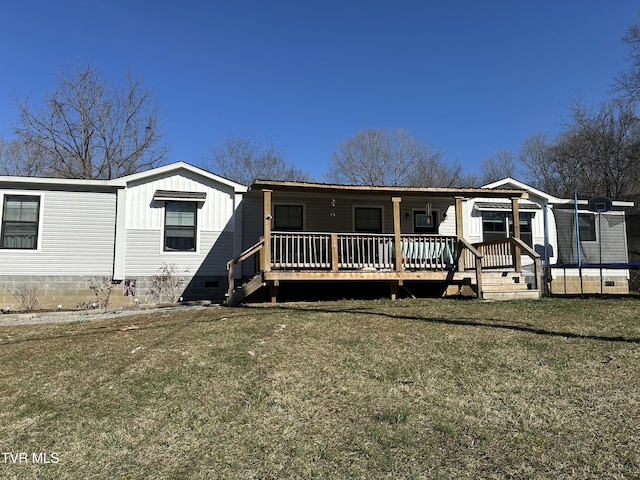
x=368, y=219
x=287, y=217
x=499, y=225
x=425, y=223
x=20, y=219
x=587, y=227
x=180, y=226
x=526, y=232
x=494, y=225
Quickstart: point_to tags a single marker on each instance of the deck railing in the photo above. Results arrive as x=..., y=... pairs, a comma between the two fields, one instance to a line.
x=337, y=251
x=505, y=254
x=495, y=253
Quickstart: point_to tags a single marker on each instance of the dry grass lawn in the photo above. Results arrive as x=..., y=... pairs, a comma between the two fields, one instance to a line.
x=362, y=389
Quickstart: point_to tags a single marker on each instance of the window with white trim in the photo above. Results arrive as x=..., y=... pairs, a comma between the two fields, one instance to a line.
x=20, y=222
x=180, y=226
x=498, y=225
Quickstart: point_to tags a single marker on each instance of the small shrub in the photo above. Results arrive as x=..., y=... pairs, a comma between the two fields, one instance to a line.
x=165, y=285
x=101, y=289
x=28, y=295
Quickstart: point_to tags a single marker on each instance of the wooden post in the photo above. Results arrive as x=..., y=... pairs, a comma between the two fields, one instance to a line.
x=273, y=291
x=397, y=232
x=459, y=231
x=394, y=291
x=266, y=203
x=479, y=277
x=517, y=254
x=334, y=252
x=231, y=279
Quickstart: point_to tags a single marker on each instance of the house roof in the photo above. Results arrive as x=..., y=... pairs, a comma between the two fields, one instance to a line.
x=116, y=183
x=49, y=182
x=284, y=186
x=172, y=167
x=550, y=199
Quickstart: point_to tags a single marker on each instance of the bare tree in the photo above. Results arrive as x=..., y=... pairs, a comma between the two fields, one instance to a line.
x=244, y=160
x=502, y=165
x=392, y=158
x=20, y=159
x=89, y=128
x=627, y=83
x=597, y=153
x=543, y=168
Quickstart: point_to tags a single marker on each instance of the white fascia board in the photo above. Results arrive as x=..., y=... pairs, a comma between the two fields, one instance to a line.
x=47, y=181
x=186, y=166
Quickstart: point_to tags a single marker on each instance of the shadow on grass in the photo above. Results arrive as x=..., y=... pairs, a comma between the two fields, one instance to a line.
x=466, y=323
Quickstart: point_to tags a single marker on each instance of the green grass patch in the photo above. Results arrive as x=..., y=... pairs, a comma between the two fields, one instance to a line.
x=364, y=389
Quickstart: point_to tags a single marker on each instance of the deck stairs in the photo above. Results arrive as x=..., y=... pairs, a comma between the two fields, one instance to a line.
x=245, y=290
x=507, y=285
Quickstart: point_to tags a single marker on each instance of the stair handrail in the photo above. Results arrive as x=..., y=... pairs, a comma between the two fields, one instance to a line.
x=535, y=256
x=464, y=243
x=242, y=257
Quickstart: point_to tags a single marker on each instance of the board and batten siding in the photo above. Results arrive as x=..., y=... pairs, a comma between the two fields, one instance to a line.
x=145, y=228
x=76, y=235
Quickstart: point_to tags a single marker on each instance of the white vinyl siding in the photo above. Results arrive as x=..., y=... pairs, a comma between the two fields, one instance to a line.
x=76, y=230
x=145, y=256
x=144, y=243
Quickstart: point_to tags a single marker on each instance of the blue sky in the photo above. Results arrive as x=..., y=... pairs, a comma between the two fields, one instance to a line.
x=469, y=77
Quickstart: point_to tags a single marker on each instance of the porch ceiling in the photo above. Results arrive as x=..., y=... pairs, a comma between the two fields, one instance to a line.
x=301, y=187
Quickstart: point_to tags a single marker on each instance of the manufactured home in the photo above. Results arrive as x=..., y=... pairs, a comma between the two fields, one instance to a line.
x=178, y=231
x=172, y=224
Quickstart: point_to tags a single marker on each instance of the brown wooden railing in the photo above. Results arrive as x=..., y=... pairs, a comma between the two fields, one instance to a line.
x=504, y=254
x=496, y=253
x=249, y=252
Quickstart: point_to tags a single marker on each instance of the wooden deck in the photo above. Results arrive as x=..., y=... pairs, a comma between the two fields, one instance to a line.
x=309, y=256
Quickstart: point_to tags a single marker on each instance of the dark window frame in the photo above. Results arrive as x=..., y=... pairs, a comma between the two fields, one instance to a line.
x=526, y=221
x=7, y=224
x=431, y=218
x=358, y=228
x=282, y=220
x=587, y=227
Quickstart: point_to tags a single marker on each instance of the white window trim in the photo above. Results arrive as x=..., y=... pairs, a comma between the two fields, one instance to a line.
x=353, y=216
x=26, y=193
x=163, y=230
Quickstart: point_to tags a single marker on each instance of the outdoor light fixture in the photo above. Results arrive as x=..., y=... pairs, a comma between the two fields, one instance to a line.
x=59, y=307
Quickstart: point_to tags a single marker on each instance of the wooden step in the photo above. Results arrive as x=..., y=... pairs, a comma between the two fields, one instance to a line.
x=243, y=291
x=510, y=294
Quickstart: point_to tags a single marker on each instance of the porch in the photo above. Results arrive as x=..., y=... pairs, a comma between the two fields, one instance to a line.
x=336, y=257
x=392, y=259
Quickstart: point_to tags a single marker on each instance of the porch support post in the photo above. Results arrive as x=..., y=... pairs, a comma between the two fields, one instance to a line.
x=266, y=203
x=515, y=211
x=397, y=232
x=273, y=291
x=459, y=231
x=394, y=291
x=334, y=252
